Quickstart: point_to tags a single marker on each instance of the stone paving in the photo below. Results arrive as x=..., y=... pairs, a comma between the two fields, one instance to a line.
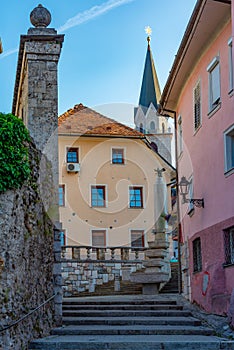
x=218, y=323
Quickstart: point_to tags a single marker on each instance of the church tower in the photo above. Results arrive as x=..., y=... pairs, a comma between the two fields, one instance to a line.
x=146, y=119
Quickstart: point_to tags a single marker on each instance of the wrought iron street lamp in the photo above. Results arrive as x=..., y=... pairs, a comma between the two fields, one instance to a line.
x=184, y=190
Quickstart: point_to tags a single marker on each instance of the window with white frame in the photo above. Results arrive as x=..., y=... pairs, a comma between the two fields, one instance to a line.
x=229, y=245
x=197, y=105
x=137, y=238
x=214, y=83
x=136, y=197
x=180, y=136
x=61, y=195
x=118, y=156
x=72, y=155
x=98, y=238
x=98, y=196
x=230, y=54
x=229, y=149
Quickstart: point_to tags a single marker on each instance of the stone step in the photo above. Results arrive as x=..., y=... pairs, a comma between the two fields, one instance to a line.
x=125, y=313
x=87, y=307
x=126, y=288
x=132, y=330
x=132, y=342
x=189, y=321
x=128, y=301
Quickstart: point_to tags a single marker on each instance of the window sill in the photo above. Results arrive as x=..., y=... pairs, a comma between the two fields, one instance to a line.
x=135, y=207
x=196, y=130
x=214, y=110
x=229, y=172
x=228, y=265
x=96, y=206
x=196, y=272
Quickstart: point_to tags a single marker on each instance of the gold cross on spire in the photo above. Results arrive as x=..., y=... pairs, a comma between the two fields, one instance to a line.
x=148, y=31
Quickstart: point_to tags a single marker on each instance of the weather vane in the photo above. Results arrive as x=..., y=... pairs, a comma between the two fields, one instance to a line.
x=148, y=31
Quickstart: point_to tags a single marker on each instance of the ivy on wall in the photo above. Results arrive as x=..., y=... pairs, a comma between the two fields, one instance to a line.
x=14, y=162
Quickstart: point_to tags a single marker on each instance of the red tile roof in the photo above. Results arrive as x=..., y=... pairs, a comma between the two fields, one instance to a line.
x=82, y=120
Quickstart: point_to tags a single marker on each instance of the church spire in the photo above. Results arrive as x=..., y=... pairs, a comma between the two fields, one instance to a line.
x=150, y=89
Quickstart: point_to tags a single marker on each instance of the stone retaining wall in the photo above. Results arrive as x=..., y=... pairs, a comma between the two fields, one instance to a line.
x=81, y=276
x=26, y=256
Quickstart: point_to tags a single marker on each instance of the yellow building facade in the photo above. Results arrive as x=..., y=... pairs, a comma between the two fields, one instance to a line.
x=107, y=176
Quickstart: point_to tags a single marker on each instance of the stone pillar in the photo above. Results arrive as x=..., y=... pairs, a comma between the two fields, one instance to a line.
x=156, y=265
x=36, y=92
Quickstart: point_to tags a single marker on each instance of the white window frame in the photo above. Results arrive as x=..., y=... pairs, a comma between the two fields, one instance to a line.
x=196, y=128
x=214, y=102
x=78, y=152
x=106, y=196
x=124, y=154
x=101, y=230
x=140, y=230
x=231, y=68
x=143, y=196
x=229, y=149
x=63, y=186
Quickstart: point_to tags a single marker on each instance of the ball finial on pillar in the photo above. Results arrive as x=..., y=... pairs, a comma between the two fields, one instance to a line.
x=40, y=17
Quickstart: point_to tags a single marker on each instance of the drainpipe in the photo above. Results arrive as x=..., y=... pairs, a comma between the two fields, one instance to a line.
x=161, y=112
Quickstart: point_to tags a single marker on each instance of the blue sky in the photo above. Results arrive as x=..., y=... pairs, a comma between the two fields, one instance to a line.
x=103, y=55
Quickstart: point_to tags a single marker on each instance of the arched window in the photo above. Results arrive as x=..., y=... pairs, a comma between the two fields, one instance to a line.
x=141, y=128
x=152, y=125
x=163, y=128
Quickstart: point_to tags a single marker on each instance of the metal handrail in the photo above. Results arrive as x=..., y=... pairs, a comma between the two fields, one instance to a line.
x=27, y=315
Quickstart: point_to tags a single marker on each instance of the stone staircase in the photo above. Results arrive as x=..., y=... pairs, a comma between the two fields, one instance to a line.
x=126, y=288
x=134, y=322
x=172, y=285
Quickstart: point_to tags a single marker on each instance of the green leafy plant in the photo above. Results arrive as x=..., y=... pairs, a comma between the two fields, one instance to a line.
x=14, y=162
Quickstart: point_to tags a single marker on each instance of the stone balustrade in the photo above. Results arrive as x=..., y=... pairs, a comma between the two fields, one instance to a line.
x=85, y=267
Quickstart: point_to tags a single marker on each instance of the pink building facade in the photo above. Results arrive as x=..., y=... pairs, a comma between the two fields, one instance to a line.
x=199, y=93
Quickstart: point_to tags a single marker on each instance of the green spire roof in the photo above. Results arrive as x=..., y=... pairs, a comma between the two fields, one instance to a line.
x=150, y=89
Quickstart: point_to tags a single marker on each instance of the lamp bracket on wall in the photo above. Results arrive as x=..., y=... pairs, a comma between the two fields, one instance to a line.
x=184, y=190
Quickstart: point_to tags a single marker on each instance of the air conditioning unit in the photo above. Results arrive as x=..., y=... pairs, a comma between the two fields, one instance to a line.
x=73, y=167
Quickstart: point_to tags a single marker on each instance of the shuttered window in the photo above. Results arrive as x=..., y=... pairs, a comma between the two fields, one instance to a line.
x=98, y=238
x=197, y=106
x=229, y=149
x=137, y=238
x=214, y=83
